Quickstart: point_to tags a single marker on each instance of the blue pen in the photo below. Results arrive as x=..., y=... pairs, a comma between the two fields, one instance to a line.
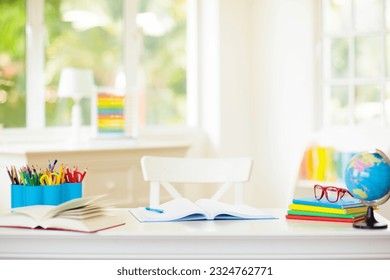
x=160, y=211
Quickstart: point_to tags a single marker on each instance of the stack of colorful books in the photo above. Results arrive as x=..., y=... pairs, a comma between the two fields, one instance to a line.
x=110, y=114
x=347, y=210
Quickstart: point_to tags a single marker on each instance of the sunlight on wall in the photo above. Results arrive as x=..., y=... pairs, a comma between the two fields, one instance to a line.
x=283, y=88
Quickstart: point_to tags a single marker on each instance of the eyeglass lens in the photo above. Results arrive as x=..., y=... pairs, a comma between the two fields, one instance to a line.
x=332, y=194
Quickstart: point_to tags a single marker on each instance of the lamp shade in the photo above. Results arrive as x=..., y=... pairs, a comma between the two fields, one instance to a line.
x=76, y=83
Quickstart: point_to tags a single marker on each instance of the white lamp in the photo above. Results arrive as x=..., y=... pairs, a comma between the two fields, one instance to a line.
x=76, y=83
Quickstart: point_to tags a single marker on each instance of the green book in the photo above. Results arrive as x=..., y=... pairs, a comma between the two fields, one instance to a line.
x=321, y=214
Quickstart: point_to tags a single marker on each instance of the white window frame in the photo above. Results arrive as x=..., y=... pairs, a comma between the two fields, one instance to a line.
x=351, y=81
x=35, y=63
x=351, y=137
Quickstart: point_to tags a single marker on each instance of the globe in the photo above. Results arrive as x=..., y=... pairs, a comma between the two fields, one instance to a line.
x=367, y=177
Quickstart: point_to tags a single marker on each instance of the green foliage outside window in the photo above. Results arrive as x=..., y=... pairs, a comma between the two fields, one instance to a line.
x=12, y=63
x=164, y=64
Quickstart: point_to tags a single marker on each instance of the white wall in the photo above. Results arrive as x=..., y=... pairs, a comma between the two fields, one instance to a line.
x=284, y=89
x=265, y=90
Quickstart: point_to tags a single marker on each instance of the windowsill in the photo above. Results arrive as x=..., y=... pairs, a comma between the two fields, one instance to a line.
x=21, y=140
x=358, y=138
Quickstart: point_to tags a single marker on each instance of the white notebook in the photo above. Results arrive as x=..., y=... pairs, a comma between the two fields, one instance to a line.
x=182, y=209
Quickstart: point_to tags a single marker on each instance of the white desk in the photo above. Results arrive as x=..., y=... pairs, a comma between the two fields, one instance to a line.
x=267, y=239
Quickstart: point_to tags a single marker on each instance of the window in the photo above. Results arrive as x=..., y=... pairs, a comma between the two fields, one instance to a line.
x=12, y=64
x=356, y=62
x=81, y=35
x=140, y=44
x=163, y=61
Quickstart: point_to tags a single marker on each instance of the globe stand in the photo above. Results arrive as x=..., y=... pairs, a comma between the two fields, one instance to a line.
x=369, y=222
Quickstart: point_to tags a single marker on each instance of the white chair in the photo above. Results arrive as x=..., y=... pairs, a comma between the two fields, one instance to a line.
x=166, y=170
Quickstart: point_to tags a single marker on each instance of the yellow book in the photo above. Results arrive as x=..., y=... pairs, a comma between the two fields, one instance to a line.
x=320, y=153
x=111, y=122
x=322, y=209
x=310, y=164
x=111, y=103
x=330, y=167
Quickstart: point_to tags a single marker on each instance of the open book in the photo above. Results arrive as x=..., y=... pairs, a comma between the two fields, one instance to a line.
x=85, y=214
x=182, y=209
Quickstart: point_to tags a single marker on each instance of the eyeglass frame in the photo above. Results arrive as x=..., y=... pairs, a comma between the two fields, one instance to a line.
x=340, y=192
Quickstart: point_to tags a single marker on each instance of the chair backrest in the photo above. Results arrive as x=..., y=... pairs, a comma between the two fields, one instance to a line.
x=162, y=171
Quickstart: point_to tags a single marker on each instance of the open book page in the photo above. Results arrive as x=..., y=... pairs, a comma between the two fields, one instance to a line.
x=81, y=204
x=93, y=224
x=182, y=209
x=173, y=210
x=35, y=212
x=73, y=207
x=218, y=210
x=84, y=214
x=18, y=220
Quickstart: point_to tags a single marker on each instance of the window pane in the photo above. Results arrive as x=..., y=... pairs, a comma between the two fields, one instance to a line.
x=339, y=53
x=82, y=34
x=368, y=105
x=387, y=13
x=12, y=64
x=163, y=61
x=368, y=57
x=387, y=103
x=388, y=55
x=339, y=105
x=337, y=16
x=336, y=58
x=368, y=15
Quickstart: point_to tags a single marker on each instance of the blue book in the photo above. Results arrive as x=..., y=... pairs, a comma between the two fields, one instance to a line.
x=340, y=204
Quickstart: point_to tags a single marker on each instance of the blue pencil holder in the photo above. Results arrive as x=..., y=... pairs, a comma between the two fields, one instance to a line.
x=33, y=195
x=52, y=195
x=44, y=195
x=71, y=191
x=17, y=196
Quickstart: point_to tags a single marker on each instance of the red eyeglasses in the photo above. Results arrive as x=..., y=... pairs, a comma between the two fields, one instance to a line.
x=332, y=194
